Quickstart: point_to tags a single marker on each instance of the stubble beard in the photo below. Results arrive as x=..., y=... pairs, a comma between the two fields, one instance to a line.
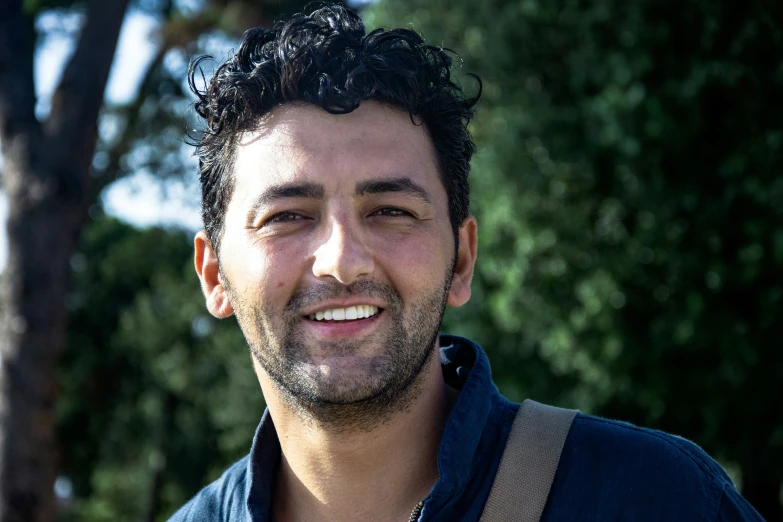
x=361, y=402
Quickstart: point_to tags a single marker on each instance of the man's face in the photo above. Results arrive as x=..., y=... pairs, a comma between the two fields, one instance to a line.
x=337, y=254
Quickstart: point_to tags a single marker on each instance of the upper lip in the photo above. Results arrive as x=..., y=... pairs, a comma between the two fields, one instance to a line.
x=342, y=303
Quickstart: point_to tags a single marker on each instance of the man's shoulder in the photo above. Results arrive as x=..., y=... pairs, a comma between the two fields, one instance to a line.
x=619, y=470
x=626, y=445
x=224, y=499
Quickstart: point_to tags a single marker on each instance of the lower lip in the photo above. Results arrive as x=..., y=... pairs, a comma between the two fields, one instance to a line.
x=337, y=329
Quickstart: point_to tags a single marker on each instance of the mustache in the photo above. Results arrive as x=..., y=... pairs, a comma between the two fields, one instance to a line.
x=317, y=293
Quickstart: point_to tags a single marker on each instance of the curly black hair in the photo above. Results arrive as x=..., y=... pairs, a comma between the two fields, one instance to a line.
x=327, y=59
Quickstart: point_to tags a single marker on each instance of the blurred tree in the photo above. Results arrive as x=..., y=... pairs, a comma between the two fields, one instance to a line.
x=45, y=177
x=629, y=192
x=158, y=397
x=51, y=178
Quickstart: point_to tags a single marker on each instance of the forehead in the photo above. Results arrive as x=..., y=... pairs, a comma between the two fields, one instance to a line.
x=302, y=142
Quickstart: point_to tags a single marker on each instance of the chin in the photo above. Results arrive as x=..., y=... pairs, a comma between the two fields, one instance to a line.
x=348, y=378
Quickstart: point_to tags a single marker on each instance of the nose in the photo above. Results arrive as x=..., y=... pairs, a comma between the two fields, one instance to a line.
x=343, y=255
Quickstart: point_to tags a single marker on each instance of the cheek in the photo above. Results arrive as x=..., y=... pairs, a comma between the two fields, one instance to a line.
x=283, y=266
x=267, y=271
x=415, y=262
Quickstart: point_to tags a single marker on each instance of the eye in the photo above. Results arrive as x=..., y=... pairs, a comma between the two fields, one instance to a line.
x=391, y=212
x=284, y=217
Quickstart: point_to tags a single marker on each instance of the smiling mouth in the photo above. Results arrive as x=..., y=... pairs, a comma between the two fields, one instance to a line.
x=350, y=313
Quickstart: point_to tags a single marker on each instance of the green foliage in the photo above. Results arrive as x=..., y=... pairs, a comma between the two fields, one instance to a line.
x=630, y=203
x=36, y=6
x=158, y=397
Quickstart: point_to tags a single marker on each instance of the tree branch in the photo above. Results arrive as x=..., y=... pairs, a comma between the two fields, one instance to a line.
x=72, y=124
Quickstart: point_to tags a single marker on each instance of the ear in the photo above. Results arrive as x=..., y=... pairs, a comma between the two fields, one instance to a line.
x=459, y=293
x=208, y=271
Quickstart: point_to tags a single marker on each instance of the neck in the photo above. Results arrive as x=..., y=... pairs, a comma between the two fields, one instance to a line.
x=368, y=474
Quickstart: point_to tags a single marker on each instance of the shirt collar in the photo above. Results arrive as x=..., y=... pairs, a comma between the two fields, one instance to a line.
x=261, y=469
x=466, y=360
x=465, y=367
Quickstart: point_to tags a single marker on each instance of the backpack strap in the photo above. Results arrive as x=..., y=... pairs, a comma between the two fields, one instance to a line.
x=528, y=465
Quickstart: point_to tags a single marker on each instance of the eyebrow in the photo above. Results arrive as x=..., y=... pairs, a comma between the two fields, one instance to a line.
x=402, y=185
x=289, y=190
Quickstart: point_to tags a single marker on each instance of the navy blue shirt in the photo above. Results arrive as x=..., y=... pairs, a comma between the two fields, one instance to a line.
x=608, y=471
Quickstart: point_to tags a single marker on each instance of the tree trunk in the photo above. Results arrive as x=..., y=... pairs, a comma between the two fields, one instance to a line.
x=46, y=177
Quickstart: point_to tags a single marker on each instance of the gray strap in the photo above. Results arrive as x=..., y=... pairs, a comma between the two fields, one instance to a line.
x=527, y=468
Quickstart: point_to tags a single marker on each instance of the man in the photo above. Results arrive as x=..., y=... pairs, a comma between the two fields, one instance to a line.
x=335, y=202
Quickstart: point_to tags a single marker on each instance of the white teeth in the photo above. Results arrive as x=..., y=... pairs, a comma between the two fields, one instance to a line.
x=345, y=314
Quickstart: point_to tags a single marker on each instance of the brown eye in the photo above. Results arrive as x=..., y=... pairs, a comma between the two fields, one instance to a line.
x=284, y=217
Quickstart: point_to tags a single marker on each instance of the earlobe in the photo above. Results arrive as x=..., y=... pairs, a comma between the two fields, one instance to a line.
x=459, y=293
x=208, y=270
